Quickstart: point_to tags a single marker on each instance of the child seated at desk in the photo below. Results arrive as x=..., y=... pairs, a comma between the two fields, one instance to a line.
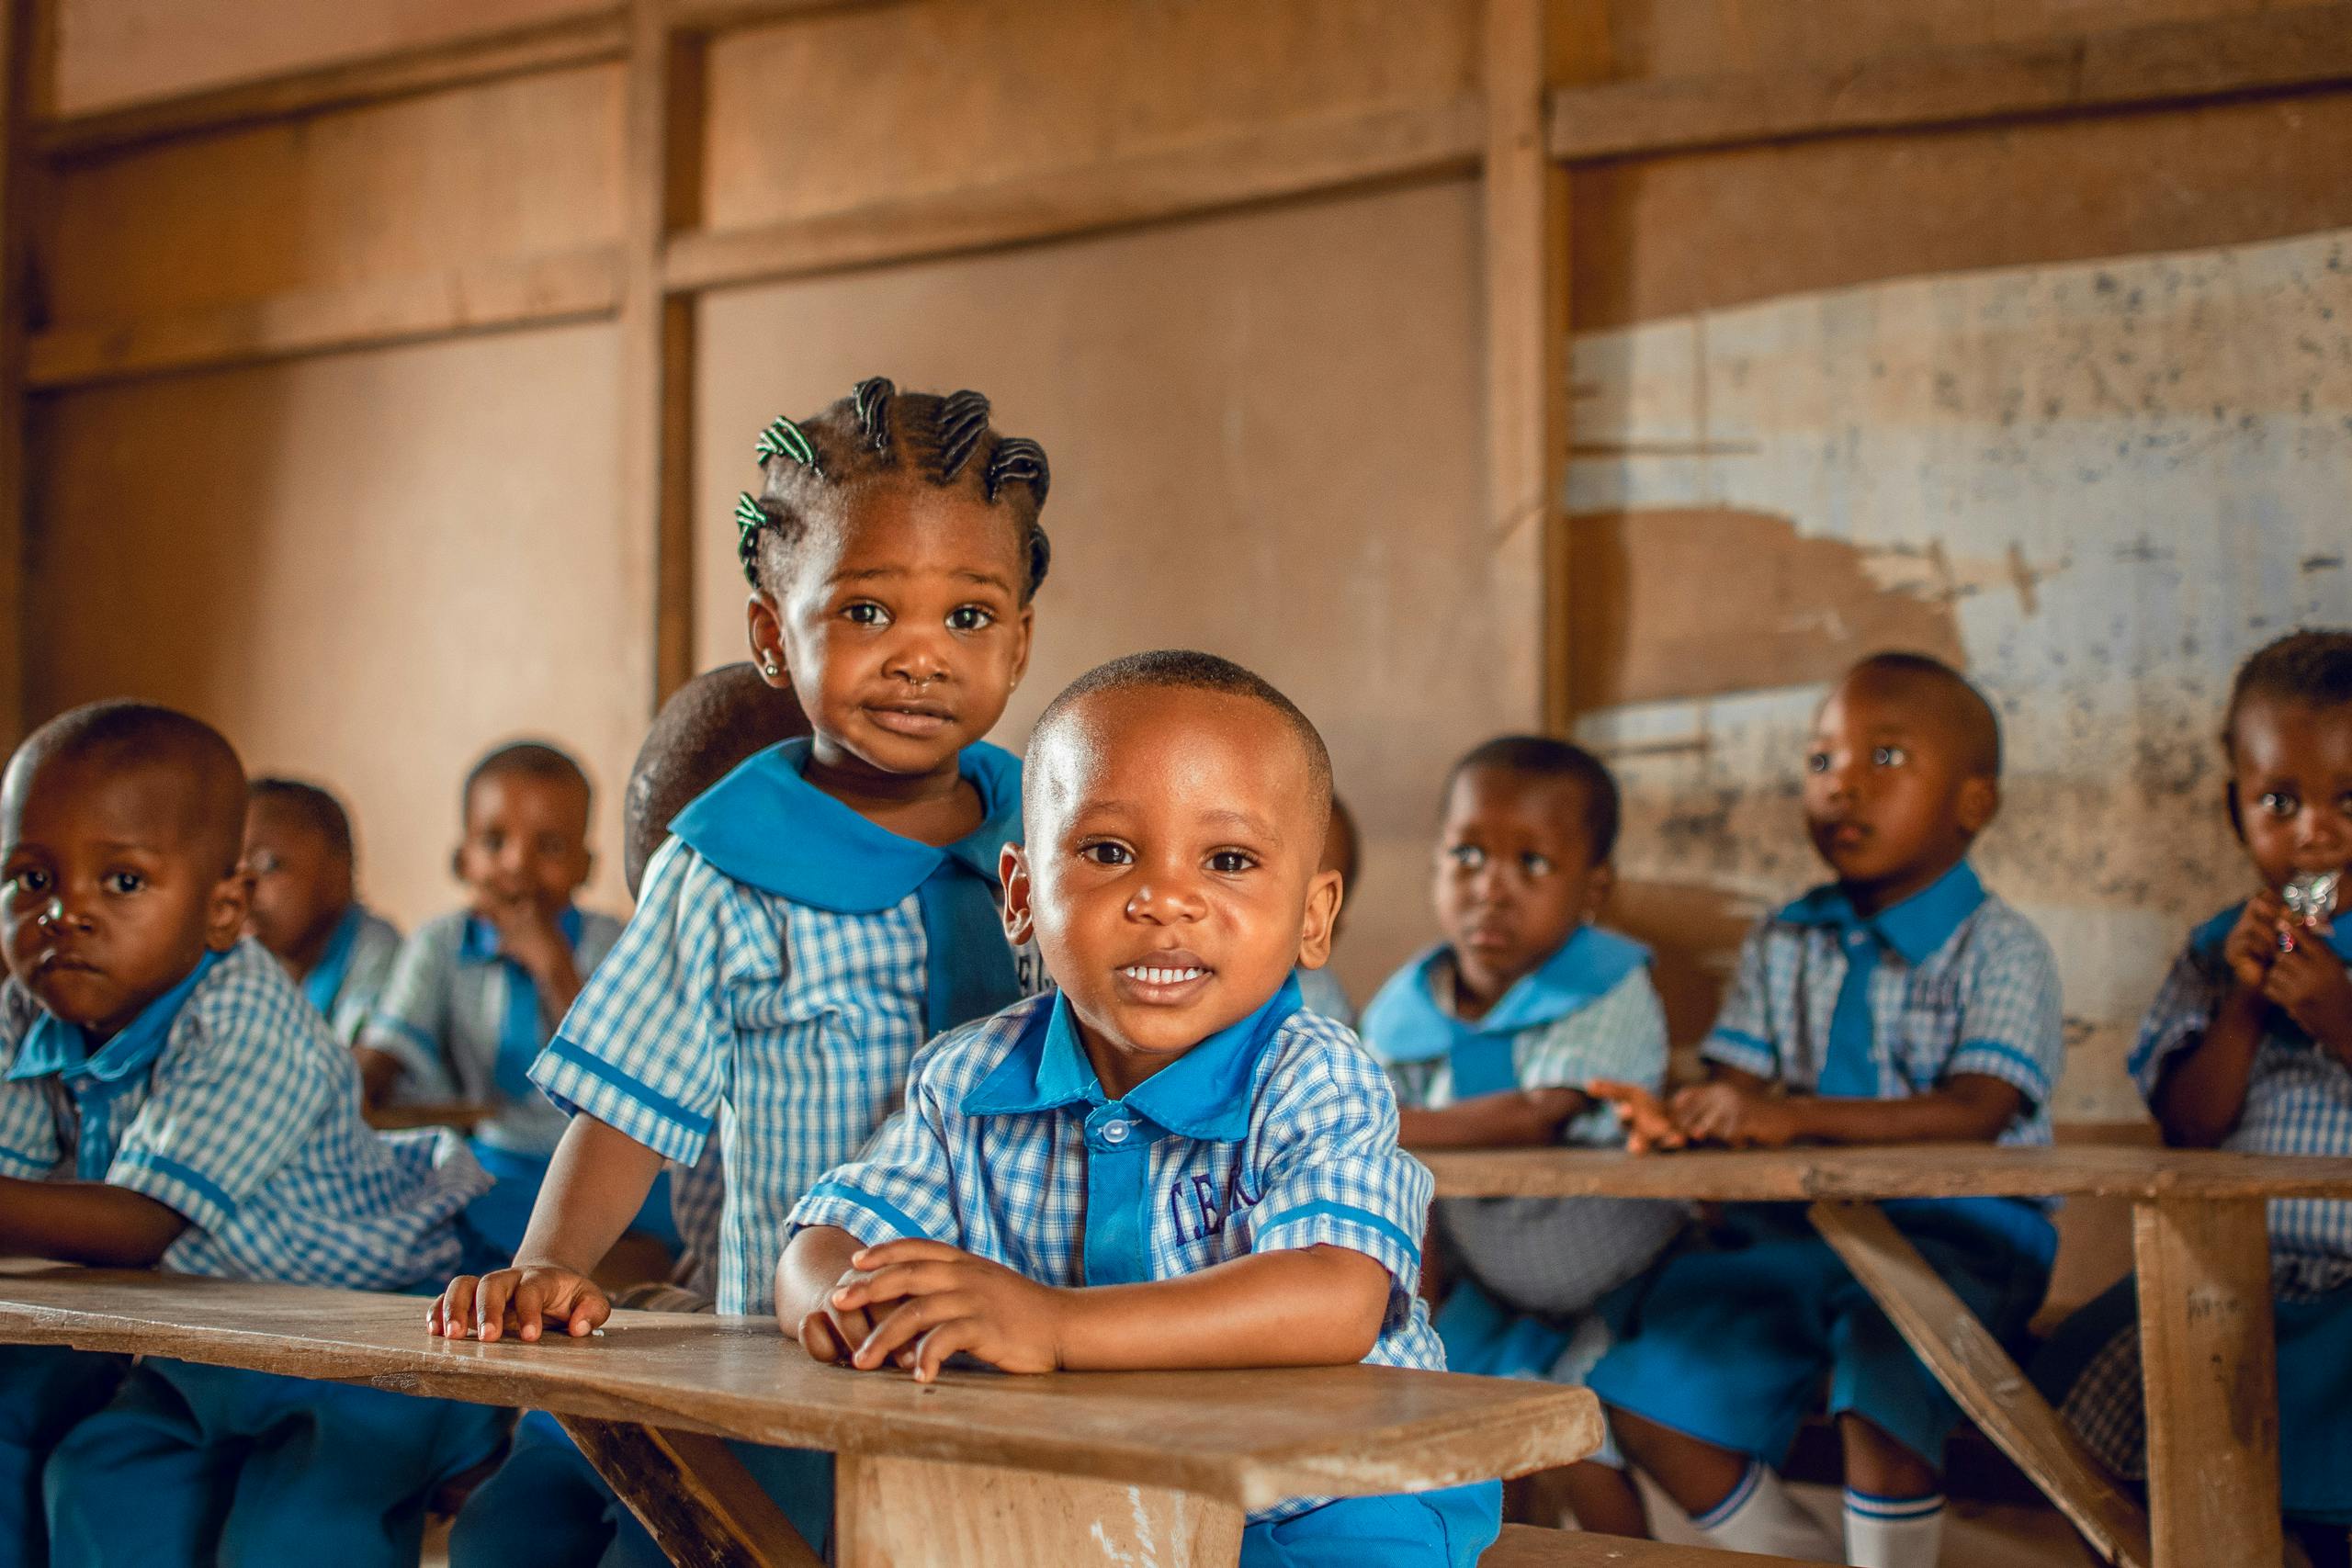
x=2248, y=1046
x=1901, y=1002
x=1490, y=1039
x=304, y=909
x=167, y=1098
x=475, y=993
x=1171, y=1163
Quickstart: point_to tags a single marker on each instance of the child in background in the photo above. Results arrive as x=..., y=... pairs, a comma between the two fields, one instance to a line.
x=475, y=993
x=832, y=903
x=1900, y=1003
x=1319, y=987
x=1170, y=1163
x=304, y=909
x=167, y=1098
x=1491, y=1039
x=2248, y=1046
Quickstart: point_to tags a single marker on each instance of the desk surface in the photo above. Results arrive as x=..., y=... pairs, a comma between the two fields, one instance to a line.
x=1248, y=1437
x=1918, y=1171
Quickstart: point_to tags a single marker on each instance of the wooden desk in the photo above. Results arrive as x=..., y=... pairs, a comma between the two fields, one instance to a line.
x=2203, y=1260
x=975, y=1468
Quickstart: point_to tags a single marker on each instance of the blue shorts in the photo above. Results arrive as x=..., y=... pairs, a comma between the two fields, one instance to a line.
x=1447, y=1529
x=502, y=1214
x=45, y=1391
x=1731, y=1345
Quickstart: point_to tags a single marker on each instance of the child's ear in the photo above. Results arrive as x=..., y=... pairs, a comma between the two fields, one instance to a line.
x=1023, y=629
x=1597, y=890
x=225, y=911
x=764, y=623
x=457, y=863
x=1980, y=801
x=1012, y=869
x=1323, y=897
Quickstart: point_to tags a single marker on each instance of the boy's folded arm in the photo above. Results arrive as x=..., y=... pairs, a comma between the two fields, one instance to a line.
x=1310, y=1306
x=89, y=1223
x=1964, y=1108
x=1513, y=1116
x=596, y=1182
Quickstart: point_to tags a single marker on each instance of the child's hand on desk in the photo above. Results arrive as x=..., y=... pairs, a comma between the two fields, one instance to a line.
x=518, y=1301
x=1732, y=1114
x=2311, y=984
x=1648, y=1124
x=929, y=1301
x=2253, y=944
x=832, y=1333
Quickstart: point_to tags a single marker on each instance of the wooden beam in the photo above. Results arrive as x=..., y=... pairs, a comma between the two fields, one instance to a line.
x=975, y=1515
x=1527, y=393
x=482, y=296
x=704, y=16
x=1231, y=170
x=588, y=40
x=694, y=1498
x=19, y=32
x=2267, y=51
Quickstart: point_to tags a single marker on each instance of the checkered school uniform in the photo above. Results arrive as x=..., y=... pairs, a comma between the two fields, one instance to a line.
x=1275, y=1133
x=1731, y=1345
x=2298, y=1101
x=350, y=974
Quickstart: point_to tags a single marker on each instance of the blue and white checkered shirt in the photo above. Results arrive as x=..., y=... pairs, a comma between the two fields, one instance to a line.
x=2298, y=1101
x=247, y=1123
x=1964, y=984
x=374, y=946
x=797, y=1023
x=1278, y=1132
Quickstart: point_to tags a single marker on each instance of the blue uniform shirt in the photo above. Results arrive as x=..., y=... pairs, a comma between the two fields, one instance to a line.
x=230, y=1101
x=350, y=974
x=774, y=983
x=1278, y=1132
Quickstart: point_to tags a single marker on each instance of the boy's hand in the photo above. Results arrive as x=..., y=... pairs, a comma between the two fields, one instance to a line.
x=527, y=933
x=1648, y=1124
x=2312, y=985
x=2253, y=944
x=949, y=1301
x=1733, y=1114
x=518, y=1301
x=832, y=1334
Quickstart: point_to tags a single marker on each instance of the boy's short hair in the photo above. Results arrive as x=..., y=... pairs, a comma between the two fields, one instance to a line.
x=1975, y=723
x=523, y=758
x=1179, y=669
x=1547, y=757
x=708, y=726
x=313, y=805
x=2312, y=666
x=132, y=733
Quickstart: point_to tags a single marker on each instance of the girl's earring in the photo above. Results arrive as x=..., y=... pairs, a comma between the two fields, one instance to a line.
x=772, y=669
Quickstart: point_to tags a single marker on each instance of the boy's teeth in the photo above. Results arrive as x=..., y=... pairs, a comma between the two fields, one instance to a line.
x=1156, y=976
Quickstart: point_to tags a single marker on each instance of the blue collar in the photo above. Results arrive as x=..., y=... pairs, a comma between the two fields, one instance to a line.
x=1407, y=1024
x=326, y=976
x=766, y=824
x=1914, y=928
x=53, y=1048
x=1204, y=1094
x=477, y=943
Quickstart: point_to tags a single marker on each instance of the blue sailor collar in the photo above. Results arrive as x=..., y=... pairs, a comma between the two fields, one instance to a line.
x=1204, y=1094
x=2214, y=935
x=53, y=1048
x=326, y=976
x=479, y=944
x=1408, y=1023
x=1914, y=928
x=766, y=824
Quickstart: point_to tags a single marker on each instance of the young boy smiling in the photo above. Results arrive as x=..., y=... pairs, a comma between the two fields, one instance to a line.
x=1170, y=1163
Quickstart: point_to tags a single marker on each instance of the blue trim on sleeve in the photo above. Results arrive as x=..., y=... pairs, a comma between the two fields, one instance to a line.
x=187, y=1176
x=2004, y=1050
x=563, y=1049
x=1740, y=1037
x=1349, y=1214
x=881, y=1209
x=37, y=1166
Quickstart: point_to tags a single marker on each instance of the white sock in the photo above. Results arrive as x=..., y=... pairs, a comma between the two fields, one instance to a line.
x=1759, y=1515
x=1894, y=1532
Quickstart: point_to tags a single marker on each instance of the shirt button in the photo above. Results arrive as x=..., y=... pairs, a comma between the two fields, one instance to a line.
x=1114, y=1132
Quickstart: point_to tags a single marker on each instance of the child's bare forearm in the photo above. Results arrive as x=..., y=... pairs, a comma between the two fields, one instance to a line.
x=2202, y=1093
x=559, y=985
x=595, y=1184
x=84, y=1222
x=379, y=1072
x=1968, y=1108
x=814, y=1261
x=1312, y=1307
x=1515, y=1116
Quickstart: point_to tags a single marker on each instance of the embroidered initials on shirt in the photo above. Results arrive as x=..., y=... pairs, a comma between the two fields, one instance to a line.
x=1193, y=1208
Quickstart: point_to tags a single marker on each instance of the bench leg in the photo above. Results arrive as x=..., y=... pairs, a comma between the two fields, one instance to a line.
x=701, y=1506
x=891, y=1512
x=2209, y=1366
x=1986, y=1383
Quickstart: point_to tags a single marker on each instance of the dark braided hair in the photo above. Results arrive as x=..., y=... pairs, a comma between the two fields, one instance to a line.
x=878, y=430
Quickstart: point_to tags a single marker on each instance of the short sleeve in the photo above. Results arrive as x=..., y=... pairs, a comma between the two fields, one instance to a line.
x=1742, y=1037
x=1620, y=1036
x=29, y=1147
x=1329, y=1167
x=376, y=949
x=234, y=1096
x=645, y=1047
x=2177, y=1018
x=2012, y=1026
x=1414, y=1083
x=901, y=1188
x=411, y=1019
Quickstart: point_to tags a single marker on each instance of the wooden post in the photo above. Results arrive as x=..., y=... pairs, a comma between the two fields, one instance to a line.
x=892, y=1511
x=1527, y=318
x=694, y=1498
x=661, y=195
x=19, y=33
x=2210, y=1367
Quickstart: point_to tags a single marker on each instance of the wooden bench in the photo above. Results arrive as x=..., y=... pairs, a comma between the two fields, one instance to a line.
x=2201, y=1251
x=977, y=1468
x=1525, y=1546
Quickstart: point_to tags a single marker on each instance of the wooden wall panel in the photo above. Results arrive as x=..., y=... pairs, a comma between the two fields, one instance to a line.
x=848, y=107
x=111, y=52
x=510, y=169
x=365, y=568
x=1240, y=465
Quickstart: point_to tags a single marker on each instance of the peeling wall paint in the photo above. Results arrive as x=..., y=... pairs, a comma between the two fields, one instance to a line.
x=2110, y=481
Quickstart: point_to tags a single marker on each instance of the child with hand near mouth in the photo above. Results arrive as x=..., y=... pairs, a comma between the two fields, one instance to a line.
x=1171, y=1163
x=1900, y=1003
